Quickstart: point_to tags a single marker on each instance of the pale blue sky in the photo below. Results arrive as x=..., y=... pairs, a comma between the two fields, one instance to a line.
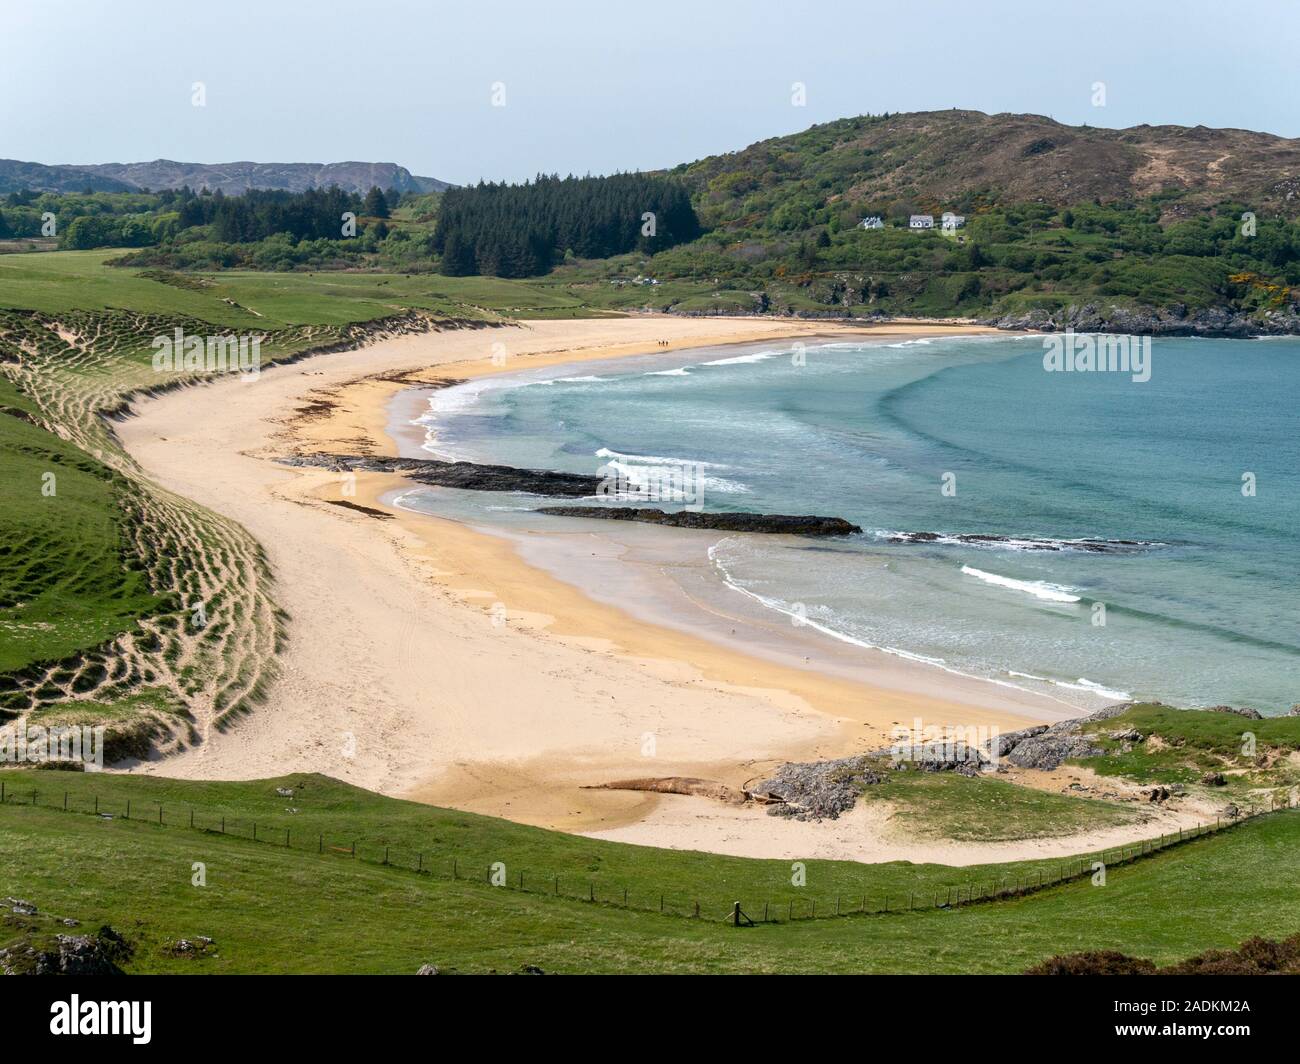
x=601, y=86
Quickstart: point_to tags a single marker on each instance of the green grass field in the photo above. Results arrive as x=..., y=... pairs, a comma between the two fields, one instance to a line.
x=271, y=909
x=66, y=281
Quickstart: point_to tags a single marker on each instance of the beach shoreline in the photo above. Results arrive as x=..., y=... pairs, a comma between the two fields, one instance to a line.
x=427, y=660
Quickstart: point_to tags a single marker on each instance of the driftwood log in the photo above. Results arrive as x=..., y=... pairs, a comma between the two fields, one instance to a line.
x=688, y=785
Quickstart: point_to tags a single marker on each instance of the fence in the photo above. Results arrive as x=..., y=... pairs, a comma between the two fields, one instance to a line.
x=449, y=866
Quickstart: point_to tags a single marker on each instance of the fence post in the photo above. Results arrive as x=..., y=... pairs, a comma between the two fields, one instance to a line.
x=191, y=818
x=764, y=912
x=96, y=802
x=160, y=813
x=223, y=825
x=65, y=801
x=286, y=838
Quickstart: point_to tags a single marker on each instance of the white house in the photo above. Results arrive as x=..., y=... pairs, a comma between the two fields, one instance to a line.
x=953, y=221
x=921, y=221
x=874, y=222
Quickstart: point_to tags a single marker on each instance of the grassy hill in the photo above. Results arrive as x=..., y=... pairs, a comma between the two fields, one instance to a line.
x=353, y=915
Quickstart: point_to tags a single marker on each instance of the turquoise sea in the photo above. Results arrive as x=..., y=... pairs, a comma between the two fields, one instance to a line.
x=1104, y=499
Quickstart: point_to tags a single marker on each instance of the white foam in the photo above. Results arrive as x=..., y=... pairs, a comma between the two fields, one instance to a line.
x=742, y=360
x=1040, y=589
x=651, y=459
x=843, y=637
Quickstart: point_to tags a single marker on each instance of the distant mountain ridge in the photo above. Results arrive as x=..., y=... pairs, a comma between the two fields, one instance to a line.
x=229, y=178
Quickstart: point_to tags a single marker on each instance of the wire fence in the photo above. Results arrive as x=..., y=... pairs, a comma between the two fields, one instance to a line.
x=970, y=890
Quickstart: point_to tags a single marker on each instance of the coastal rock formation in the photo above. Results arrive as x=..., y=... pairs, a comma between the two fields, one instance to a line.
x=1090, y=546
x=1241, y=711
x=807, y=525
x=1177, y=320
x=1001, y=745
x=820, y=790
x=466, y=475
x=1053, y=747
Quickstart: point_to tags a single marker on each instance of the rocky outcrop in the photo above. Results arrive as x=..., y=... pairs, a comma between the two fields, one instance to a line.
x=1058, y=744
x=807, y=525
x=466, y=475
x=39, y=953
x=1001, y=745
x=1087, y=546
x=820, y=790
x=1177, y=320
x=1241, y=711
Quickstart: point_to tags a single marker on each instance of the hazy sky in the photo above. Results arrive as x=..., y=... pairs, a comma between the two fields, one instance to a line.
x=602, y=86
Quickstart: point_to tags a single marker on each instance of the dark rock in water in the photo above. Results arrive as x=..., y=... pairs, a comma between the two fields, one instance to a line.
x=973, y=539
x=808, y=525
x=465, y=475
x=820, y=790
x=1294, y=711
x=1241, y=711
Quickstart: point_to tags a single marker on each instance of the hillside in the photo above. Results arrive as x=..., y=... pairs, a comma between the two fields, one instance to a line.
x=228, y=177
x=417, y=878
x=936, y=158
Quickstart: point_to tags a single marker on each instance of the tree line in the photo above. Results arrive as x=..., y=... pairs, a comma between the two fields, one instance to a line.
x=522, y=230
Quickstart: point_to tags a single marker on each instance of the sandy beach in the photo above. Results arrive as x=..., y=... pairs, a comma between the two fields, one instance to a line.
x=425, y=659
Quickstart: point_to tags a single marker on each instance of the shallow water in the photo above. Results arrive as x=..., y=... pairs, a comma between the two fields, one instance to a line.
x=1130, y=564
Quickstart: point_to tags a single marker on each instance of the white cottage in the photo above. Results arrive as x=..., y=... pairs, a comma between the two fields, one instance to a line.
x=874, y=222
x=921, y=221
x=953, y=221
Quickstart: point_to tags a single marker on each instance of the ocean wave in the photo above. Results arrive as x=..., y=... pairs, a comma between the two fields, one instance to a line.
x=681, y=371
x=1082, y=684
x=1087, y=544
x=589, y=379
x=800, y=616
x=743, y=360
x=1040, y=589
x=647, y=476
x=650, y=459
